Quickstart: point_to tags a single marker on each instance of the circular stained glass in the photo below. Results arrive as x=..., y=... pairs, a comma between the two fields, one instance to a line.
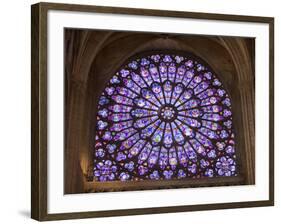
x=164, y=116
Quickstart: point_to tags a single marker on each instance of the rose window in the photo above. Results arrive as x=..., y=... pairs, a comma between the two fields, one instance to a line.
x=164, y=116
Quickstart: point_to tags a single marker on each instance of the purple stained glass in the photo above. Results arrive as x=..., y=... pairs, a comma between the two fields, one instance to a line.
x=164, y=116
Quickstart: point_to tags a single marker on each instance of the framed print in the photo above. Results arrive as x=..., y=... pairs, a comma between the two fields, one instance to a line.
x=149, y=112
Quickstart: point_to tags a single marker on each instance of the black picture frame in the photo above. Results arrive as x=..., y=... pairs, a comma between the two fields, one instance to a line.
x=39, y=149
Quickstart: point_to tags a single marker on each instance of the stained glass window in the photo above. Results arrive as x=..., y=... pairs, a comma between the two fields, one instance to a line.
x=164, y=116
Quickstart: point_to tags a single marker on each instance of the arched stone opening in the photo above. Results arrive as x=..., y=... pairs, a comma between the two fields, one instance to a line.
x=106, y=51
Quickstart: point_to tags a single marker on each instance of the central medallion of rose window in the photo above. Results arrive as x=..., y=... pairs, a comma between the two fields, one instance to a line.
x=167, y=113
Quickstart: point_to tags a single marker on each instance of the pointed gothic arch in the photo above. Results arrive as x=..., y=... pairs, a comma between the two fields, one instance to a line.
x=106, y=52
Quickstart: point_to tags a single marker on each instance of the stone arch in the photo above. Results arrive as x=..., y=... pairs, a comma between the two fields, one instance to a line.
x=85, y=78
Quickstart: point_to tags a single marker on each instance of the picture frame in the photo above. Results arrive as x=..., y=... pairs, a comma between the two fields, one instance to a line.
x=54, y=24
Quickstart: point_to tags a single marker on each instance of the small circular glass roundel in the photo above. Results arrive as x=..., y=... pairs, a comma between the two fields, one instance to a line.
x=167, y=113
x=164, y=116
